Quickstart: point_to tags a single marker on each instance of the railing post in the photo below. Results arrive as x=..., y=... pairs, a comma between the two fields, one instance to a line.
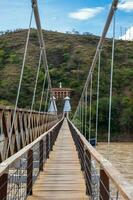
x=88, y=172
x=104, y=186
x=29, y=171
x=3, y=186
x=41, y=147
x=51, y=141
x=47, y=146
x=81, y=151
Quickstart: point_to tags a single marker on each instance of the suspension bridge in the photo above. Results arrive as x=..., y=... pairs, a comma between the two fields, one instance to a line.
x=44, y=155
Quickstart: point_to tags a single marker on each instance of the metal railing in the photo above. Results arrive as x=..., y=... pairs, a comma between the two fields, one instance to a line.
x=27, y=126
x=19, y=172
x=103, y=181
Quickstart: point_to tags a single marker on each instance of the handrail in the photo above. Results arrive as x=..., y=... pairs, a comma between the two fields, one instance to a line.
x=27, y=127
x=10, y=108
x=9, y=161
x=110, y=171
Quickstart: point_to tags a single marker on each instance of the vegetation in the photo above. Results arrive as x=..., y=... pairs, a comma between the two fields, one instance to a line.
x=69, y=58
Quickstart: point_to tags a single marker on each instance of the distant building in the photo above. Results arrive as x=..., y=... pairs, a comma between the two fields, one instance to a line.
x=60, y=93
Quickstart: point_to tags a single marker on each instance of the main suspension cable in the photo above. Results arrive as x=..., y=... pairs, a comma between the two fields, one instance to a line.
x=101, y=41
x=21, y=76
x=90, y=106
x=111, y=81
x=46, y=100
x=86, y=111
x=42, y=93
x=41, y=99
x=35, y=87
x=98, y=84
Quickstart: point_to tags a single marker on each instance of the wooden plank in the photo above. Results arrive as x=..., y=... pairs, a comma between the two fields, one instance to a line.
x=62, y=177
x=59, y=194
x=57, y=198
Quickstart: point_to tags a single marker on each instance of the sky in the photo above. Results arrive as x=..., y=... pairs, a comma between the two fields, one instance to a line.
x=66, y=15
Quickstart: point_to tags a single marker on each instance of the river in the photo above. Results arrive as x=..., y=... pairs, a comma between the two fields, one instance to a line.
x=121, y=156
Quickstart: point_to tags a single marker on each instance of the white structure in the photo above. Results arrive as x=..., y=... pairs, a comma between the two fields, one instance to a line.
x=67, y=106
x=128, y=35
x=52, y=108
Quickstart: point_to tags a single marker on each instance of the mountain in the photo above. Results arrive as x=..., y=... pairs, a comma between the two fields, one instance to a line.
x=69, y=59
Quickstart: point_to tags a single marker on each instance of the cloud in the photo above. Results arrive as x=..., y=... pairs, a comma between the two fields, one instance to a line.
x=85, y=13
x=128, y=35
x=126, y=5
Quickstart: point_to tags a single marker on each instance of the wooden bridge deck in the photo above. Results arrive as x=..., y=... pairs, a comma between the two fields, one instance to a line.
x=62, y=177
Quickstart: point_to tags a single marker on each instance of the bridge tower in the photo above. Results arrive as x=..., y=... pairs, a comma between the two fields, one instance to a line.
x=52, y=108
x=67, y=106
x=60, y=93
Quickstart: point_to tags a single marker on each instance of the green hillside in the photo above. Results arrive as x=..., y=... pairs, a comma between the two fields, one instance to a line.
x=69, y=58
